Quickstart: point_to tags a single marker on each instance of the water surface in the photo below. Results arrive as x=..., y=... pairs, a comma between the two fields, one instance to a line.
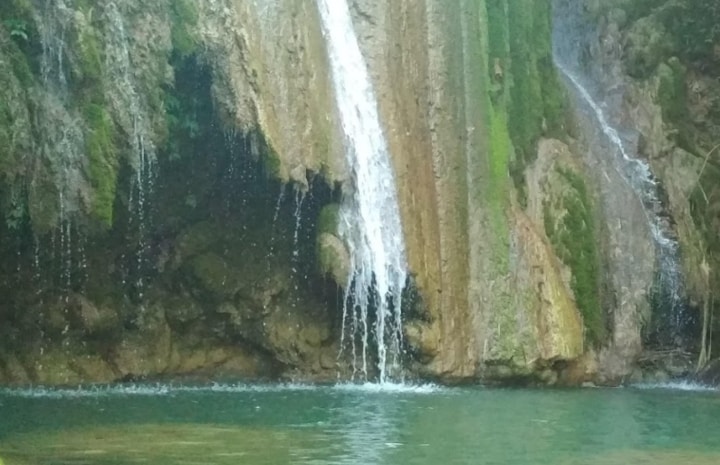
x=363, y=425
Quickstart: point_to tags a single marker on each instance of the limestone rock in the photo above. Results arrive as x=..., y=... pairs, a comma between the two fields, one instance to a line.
x=92, y=318
x=334, y=258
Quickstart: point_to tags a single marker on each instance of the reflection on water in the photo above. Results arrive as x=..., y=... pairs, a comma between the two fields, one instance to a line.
x=367, y=430
x=238, y=424
x=166, y=444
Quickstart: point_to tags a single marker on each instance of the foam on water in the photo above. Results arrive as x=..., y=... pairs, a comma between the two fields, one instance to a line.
x=390, y=388
x=687, y=386
x=159, y=390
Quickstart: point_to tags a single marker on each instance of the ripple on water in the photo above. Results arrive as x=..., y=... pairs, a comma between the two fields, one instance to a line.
x=178, y=444
x=638, y=457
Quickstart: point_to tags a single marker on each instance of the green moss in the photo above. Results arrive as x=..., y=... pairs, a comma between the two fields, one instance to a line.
x=16, y=10
x=526, y=105
x=184, y=16
x=328, y=219
x=500, y=152
x=21, y=67
x=574, y=239
x=90, y=57
x=103, y=164
x=523, y=77
x=672, y=94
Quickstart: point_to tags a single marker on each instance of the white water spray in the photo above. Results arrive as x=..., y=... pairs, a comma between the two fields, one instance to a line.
x=369, y=216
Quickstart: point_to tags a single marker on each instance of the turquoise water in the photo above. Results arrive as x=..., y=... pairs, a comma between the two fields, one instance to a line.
x=236, y=424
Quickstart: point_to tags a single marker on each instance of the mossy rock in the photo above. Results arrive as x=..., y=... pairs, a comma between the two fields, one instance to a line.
x=184, y=17
x=329, y=219
x=570, y=225
x=647, y=44
x=216, y=276
x=197, y=239
x=672, y=94
x=333, y=258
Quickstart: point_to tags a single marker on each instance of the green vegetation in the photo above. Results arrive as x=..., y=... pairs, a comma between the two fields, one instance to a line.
x=695, y=26
x=500, y=152
x=90, y=56
x=574, y=239
x=184, y=16
x=526, y=106
x=100, y=132
x=687, y=28
x=18, y=25
x=523, y=75
x=17, y=28
x=328, y=219
x=102, y=156
x=672, y=94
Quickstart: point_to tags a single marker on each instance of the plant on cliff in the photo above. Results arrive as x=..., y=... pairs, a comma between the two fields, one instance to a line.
x=695, y=25
x=184, y=16
x=103, y=162
x=17, y=28
x=523, y=77
x=573, y=236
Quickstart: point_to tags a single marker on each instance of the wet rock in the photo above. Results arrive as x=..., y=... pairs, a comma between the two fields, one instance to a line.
x=647, y=44
x=423, y=339
x=94, y=319
x=216, y=276
x=334, y=258
x=710, y=374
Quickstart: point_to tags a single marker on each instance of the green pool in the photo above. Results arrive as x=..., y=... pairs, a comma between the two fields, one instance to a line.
x=364, y=425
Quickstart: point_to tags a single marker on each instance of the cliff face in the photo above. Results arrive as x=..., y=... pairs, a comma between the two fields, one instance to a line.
x=658, y=59
x=471, y=102
x=169, y=170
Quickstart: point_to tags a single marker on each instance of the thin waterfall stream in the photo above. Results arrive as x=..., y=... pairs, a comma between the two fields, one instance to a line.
x=570, y=36
x=369, y=216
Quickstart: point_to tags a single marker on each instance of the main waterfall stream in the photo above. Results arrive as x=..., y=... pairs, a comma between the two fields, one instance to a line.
x=369, y=217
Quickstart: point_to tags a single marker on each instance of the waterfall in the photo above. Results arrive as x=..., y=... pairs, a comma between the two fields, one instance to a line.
x=369, y=215
x=128, y=104
x=572, y=36
x=61, y=140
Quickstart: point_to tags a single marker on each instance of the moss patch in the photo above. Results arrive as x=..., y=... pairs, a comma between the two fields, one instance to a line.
x=184, y=16
x=103, y=163
x=500, y=151
x=523, y=78
x=328, y=219
x=573, y=237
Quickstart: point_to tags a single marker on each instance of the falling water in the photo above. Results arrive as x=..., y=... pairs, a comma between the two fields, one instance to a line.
x=571, y=34
x=369, y=217
x=62, y=142
x=134, y=120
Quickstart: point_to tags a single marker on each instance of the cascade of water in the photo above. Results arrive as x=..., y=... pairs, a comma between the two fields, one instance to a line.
x=299, y=200
x=63, y=145
x=369, y=216
x=571, y=34
x=128, y=104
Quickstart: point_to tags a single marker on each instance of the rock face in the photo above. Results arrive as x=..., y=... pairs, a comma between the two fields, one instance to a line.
x=451, y=129
x=186, y=223
x=271, y=73
x=658, y=71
